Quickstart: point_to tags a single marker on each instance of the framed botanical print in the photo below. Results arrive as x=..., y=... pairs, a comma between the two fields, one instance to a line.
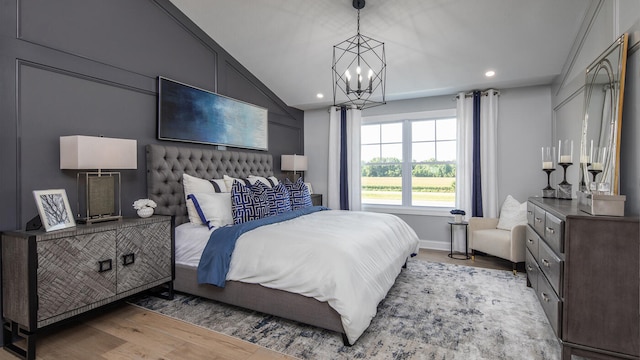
x=54, y=209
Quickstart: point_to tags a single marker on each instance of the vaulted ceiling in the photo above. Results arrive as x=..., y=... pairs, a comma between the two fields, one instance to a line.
x=433, y=47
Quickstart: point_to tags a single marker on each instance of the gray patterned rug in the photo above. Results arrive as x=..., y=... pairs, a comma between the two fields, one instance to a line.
x=434, y=311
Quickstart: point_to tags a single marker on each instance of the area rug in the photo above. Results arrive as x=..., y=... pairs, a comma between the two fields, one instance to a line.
x=434, y=311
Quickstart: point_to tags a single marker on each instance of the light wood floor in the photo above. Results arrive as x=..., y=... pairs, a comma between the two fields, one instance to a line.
x=130, y=332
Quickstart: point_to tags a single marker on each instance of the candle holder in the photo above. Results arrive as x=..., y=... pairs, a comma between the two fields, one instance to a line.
x=583, y=183
x=564, y=188
x=549, y=192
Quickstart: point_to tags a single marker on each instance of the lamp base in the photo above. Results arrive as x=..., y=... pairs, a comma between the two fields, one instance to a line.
x=98, y=219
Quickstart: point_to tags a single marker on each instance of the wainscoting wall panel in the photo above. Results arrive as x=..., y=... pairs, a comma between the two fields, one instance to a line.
x=90, y=67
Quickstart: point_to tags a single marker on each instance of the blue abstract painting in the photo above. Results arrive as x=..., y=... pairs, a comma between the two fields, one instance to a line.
x=186, y=113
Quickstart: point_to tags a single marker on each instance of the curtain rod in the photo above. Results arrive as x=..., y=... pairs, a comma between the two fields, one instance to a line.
x=482, y=93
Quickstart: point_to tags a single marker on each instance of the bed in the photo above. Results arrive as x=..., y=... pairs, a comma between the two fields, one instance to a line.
x=165, y=168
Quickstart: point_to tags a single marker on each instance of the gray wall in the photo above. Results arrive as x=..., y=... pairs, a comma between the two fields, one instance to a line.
x=89, y=67
x=605, y=22
x=524, y=125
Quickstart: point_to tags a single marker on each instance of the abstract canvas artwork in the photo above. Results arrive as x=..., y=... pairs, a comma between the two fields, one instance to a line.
x=186, y=113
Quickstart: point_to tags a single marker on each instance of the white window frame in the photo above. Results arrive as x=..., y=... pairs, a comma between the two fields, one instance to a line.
x=406, y=165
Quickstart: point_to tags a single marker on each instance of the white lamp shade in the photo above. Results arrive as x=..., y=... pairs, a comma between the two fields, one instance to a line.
x=293, y=163
x=93, y=152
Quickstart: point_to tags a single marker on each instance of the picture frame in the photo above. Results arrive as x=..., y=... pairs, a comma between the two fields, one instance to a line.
x=54, y=210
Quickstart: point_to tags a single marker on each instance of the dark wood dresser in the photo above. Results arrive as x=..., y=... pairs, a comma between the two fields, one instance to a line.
x=48, y=277
x=585, y=271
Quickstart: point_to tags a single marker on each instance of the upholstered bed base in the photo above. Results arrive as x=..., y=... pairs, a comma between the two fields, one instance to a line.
x=165, y=166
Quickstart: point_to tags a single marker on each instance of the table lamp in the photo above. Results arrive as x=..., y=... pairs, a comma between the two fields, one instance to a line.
x=98, y=191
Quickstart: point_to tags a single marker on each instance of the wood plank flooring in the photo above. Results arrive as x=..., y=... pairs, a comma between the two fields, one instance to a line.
x=129, y=332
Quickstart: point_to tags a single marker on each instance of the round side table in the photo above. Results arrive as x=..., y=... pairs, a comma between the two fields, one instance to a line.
x=466, y=241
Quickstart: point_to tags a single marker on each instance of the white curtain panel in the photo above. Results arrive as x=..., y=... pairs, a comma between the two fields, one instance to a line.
x=333, y=172
x=464, y=153
x=354, y=122
x=489, y=153
x=354, y=119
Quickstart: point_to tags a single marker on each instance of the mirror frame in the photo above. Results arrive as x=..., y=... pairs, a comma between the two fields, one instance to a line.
x=611, y=168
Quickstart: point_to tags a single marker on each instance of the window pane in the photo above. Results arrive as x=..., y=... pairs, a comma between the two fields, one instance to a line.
x=446, y=150
x=382, y=184
x=369, y=152
x=446, y=129
x=423, y=151
x=370, y=134
x=423, y=130
x=391, y=133
x=392, y=151
x=433, y=185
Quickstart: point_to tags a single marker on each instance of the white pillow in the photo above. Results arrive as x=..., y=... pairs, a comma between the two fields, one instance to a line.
x=512, y=213
x=193, y=185
x=214, y=208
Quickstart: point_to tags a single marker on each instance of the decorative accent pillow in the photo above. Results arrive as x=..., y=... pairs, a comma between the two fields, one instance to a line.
x=277, y=197
x=192, y=185
x=298, y=194
x=512, y=213
x=246, y=205
x=270, y=181
x=214, y=209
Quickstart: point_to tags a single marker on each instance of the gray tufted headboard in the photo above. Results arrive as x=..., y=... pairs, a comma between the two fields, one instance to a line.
x=166, y=164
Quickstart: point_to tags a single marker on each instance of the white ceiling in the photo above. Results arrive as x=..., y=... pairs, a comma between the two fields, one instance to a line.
x=433, y=47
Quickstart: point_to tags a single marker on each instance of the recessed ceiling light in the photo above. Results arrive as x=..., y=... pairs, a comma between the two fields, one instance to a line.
x=490, y=73
x=319, y=96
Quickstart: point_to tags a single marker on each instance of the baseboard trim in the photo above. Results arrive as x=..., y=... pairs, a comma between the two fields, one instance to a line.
x=434, y=245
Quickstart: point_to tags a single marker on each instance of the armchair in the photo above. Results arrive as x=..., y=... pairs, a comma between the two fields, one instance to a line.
x=484, y=236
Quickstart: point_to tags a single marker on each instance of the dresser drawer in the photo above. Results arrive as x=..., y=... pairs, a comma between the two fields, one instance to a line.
x=551, y=304
x=554, y=233
x=552, y=266
x=530, y=210
x=532, y=242
x=538, y=220
x=533, y=271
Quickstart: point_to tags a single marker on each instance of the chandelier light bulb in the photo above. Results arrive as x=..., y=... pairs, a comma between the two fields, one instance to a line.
x=358, y=70
x=347, y=75
x=370, y=73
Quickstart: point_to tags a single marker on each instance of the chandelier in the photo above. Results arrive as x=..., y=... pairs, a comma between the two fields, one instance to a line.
x=354, y=58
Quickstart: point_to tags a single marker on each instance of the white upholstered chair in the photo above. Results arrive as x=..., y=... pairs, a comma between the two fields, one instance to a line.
x=506, y=244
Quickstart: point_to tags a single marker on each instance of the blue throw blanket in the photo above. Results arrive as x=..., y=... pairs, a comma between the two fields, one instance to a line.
x=216, y=257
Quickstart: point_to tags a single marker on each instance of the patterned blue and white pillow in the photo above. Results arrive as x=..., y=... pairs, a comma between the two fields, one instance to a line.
x=246, y=205
x=277, y=197
x=298, y=194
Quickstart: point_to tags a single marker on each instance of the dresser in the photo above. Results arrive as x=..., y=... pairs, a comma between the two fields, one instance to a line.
x=585, y=272
x=51, y=276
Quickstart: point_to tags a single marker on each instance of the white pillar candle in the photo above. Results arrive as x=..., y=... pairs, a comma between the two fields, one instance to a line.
x=596, y=166
x=547, y=165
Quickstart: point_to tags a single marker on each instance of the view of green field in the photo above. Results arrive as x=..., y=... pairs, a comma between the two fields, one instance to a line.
x=427, y=191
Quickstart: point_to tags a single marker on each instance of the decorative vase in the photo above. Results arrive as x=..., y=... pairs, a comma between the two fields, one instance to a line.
x=145, y=212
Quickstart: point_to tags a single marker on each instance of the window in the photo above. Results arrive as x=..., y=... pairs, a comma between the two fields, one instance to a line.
x=409, y=160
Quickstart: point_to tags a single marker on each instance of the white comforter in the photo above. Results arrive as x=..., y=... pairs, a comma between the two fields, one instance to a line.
x=349, y=259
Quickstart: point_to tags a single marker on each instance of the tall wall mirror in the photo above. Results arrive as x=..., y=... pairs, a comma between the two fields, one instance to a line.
x=600, y=140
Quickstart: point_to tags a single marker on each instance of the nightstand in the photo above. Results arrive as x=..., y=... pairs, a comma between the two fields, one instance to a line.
x=48, y=277
x=316, y=199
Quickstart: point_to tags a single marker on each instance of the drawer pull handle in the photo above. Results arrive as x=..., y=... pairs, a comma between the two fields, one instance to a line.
x=551, y=230
x=538, y=220
x=529, y=212
x=530, y=241
x=545, y=297
x=128, y=259
x=546, y=263
x=104, y=265
x=529, y=268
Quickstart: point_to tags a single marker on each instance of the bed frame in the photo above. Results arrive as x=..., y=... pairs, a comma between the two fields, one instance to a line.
x=165, y=166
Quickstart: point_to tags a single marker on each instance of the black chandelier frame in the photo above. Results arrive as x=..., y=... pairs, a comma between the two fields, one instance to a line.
x=359, y=50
